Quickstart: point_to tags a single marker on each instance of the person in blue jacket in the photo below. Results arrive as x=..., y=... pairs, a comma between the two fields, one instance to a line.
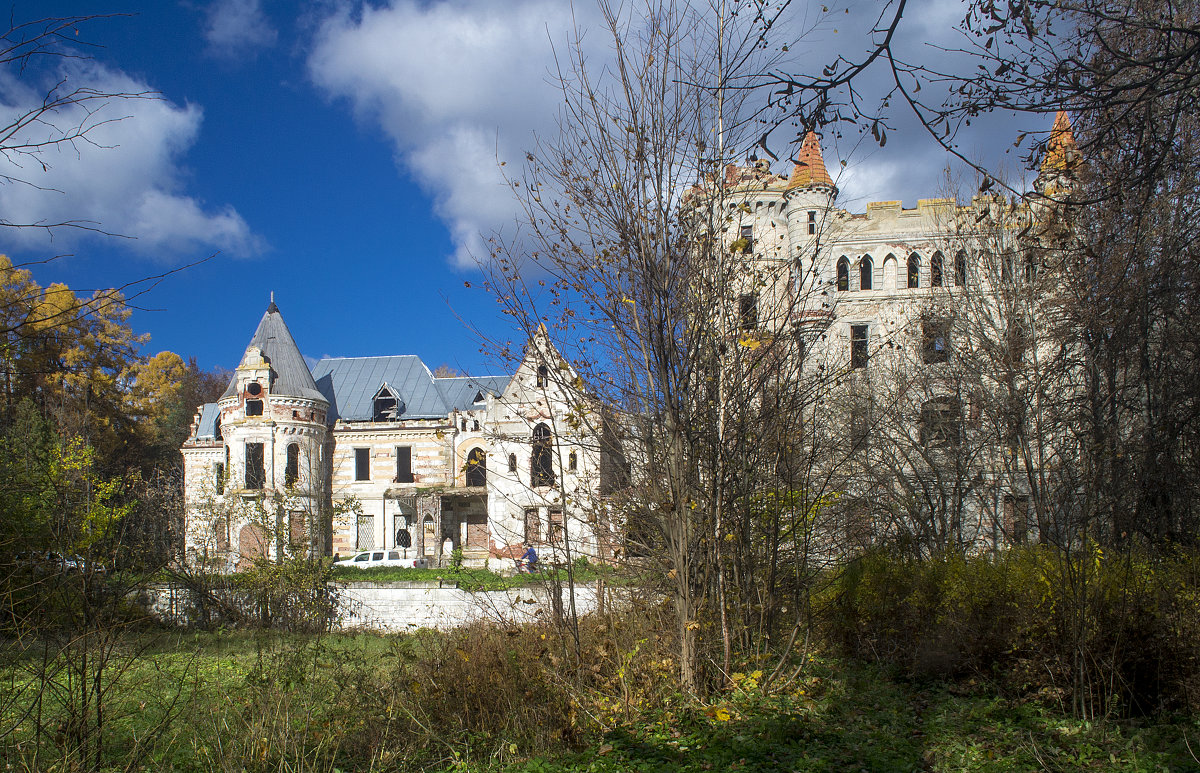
x=528, y=560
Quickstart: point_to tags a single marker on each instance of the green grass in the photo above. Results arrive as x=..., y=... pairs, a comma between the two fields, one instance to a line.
x=199, y=702
x=472, y=579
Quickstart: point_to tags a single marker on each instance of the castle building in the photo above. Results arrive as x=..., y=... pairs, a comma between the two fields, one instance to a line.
x=377, y=453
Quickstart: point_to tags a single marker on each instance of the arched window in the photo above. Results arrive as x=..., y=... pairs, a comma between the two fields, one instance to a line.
x=477, y=468
x=914, y=271
x=512, y=462
x=843, y=274
x=291, y=472
x=573, y=461
x=543, y=374
x=541, y=461
x=890, y=280
x=960, y=269
x=936, y=271
x=866, y=273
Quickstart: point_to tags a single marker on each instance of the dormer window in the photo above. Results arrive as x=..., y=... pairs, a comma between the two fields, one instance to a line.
x=254, y=403
x=386, y=407
x=254, y=407
x=478, y=397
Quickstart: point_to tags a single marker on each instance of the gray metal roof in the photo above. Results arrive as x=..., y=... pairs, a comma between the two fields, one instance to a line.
x=351, y=383
x=290, y=376
x=207, y=428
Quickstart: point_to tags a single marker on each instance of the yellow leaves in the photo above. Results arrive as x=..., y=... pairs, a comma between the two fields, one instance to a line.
x=749, y=342
x=722, y=714
x=463, y=654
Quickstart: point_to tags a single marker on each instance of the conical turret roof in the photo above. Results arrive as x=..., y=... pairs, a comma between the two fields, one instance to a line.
x=290, y=376
x=1061, y=152
x=810, y=166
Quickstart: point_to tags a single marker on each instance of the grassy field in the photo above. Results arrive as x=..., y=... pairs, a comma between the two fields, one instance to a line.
x=268, y=702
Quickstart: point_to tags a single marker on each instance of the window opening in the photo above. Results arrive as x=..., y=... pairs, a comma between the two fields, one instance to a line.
x=512, y=462
x=748, y=311
x=914, y=271
x=477, y=468
x=404, y=472
x=291, y=473
x=812, y=221
x=362, y=464
x=254, y=389
x=960, y=269
x=843, y=274
x=866, y=273
x=385, y=406
x=936, y=272
x=254, y=407
x=748, y=238
x=256, y=474
x=941, y=422
x=533, y=525
x=543, y=373
x=541, y=461
x=557, y=531
x=935, y=340
x=858, y=346
x=572, y=461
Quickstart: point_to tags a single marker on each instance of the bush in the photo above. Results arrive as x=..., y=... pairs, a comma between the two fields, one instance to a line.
x=1097, y=633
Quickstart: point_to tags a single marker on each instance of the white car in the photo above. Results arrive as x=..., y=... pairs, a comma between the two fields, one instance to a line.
x=369, y=559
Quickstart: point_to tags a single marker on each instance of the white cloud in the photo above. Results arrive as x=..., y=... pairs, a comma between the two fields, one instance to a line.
x=456, y=86
x=237, y=28
x=123, y=177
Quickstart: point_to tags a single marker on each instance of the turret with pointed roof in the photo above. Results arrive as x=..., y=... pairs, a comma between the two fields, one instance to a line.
x=1057, y=172
x=273, y=342
x=810, y=166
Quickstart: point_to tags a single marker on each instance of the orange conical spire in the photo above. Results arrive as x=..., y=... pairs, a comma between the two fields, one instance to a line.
x=810, y=166
x=1060, y=147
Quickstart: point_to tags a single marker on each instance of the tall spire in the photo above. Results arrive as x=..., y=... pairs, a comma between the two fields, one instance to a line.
x=810, y=166
x=1061, y=152
x=273, y=341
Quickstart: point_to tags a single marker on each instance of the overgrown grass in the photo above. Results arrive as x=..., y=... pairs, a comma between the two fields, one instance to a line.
x=526, y=700
x=478, y=579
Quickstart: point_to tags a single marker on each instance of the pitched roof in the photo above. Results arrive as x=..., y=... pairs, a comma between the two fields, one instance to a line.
x=290, y=376
x=810, y=165
x=351, y=383
x=206, y=428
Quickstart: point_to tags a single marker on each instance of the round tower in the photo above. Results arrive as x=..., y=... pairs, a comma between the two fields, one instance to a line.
x=810, y=195
x=273, y=423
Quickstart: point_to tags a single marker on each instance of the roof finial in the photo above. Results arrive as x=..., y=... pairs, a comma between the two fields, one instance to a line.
x=272, y=309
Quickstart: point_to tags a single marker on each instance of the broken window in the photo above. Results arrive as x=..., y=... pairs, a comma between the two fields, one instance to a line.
x=573, y=461
x=936, y=270
x=748, y=238
x=543, y=374
x=477, y=468
x=914, y=271
x=385, y=406
x=935, y=340
x=748, y=311
x=858, y=346
x=541, y=461
x=557, y=531
x=866, y=273
x=404, y=473
x=291, y=472
x=533, y=525
x=941, y=422
x=843, y=274
x=362, y=464
x=254, y=407
x=256, y=474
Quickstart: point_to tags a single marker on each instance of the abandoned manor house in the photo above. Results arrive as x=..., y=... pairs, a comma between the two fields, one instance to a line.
x=379, y=453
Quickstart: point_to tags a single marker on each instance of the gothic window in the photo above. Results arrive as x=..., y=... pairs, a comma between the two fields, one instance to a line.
x=936, y=270
x=477, y=468
x=748, y=311
x=541, y=461
x=362, y=464
x=543, y=374
x=935, y=340
x=843, y=274
x=858, y=346
x=960, y=269
x=291, y=473
x=256, y=474
x=404, y=472
x=914, y=271
x=866, y=272
x=385, y=405
x=941, y=422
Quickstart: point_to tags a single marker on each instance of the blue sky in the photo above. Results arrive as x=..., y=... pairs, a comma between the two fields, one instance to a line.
x=341, y=155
